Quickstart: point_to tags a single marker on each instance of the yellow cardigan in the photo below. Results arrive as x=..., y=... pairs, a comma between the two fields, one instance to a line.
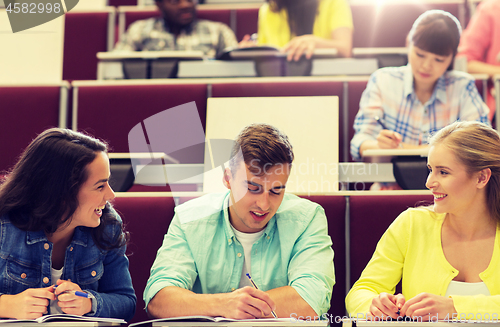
x=411, y=249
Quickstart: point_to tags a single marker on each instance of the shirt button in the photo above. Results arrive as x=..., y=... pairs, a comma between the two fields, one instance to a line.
x=239, y=255
x=233, y=289
x=45, y=280
x=46, y=246
x=93, y=273
x=23, y=275
x=268, y=237
x=71, y=248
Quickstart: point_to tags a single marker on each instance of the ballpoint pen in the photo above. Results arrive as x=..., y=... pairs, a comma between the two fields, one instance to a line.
x=378, y=120
x=77, y=293
x=255, y=286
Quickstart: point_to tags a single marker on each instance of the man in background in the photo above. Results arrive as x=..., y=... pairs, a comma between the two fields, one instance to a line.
x=177, y=29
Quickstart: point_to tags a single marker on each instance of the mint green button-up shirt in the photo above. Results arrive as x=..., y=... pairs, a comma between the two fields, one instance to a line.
x=201, y=253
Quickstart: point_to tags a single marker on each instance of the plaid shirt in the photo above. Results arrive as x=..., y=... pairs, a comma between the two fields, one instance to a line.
x=390, y=95
x=153, y=35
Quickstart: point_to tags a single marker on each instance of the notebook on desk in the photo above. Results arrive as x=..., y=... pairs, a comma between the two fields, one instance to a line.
x=232, y=53
x=194, y=321
x=66, y=320
x=417, y=323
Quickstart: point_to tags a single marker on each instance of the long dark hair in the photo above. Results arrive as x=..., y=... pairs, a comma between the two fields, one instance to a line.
x=41, y=191
x=301, y=14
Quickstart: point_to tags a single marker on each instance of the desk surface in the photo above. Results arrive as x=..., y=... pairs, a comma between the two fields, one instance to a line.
x=119, y=55
x=69, y=323
x=441, y=323
x=395, y=152
x=282, y=322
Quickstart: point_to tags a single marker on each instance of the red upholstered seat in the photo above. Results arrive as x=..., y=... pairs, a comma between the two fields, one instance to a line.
x=246, y=21
x=147, y=219
x=370, y=215
x=26, y=112
x=110, y=111
x=85, y=34
x=117, y=3
x=335, y=209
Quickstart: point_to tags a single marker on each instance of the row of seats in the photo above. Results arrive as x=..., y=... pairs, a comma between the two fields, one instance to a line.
x=376, y=25
x=355, y=224
x=109, y=110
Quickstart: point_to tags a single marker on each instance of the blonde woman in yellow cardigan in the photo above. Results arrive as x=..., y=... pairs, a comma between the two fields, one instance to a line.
x=448, y=255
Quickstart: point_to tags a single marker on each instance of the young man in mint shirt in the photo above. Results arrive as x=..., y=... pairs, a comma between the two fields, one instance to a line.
x=213, y=241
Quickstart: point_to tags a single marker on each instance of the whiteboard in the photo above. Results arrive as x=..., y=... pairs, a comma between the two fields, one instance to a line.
x=311, y=124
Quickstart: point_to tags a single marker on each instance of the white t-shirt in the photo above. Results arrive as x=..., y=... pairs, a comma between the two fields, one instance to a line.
x=247, y=240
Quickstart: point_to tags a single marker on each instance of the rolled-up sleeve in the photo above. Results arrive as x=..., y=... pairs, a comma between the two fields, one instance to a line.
x=311, y=271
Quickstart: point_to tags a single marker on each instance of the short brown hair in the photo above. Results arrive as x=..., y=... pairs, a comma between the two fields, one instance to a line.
x=436, y=31
x=261, y=146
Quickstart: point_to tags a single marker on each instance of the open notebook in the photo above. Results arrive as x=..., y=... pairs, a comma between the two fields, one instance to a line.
x=66, y=317
x=250, y=322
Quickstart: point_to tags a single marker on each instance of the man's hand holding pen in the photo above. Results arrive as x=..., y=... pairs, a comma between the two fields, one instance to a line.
x=246, y=303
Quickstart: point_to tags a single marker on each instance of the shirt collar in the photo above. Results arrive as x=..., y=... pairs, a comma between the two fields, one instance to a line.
x=439, y=92
x=408, y=81
x=440, y=89
x=268, y=231
x=187, y=29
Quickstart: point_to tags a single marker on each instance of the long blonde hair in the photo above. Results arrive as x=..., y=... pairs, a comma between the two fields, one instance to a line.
x=477, y=146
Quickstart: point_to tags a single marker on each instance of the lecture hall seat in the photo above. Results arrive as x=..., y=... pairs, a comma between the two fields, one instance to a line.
x=335, y=210
x=111, y=110
x=246, y=21
x=147, y=219
x=370, y=216
x=26, y=112
x=86, y=34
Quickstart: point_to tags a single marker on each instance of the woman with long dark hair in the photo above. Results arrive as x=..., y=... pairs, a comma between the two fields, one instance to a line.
x=59, y=234
x=417, y=100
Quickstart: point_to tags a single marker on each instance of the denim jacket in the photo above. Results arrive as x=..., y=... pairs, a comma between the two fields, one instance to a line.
x=25, y=262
